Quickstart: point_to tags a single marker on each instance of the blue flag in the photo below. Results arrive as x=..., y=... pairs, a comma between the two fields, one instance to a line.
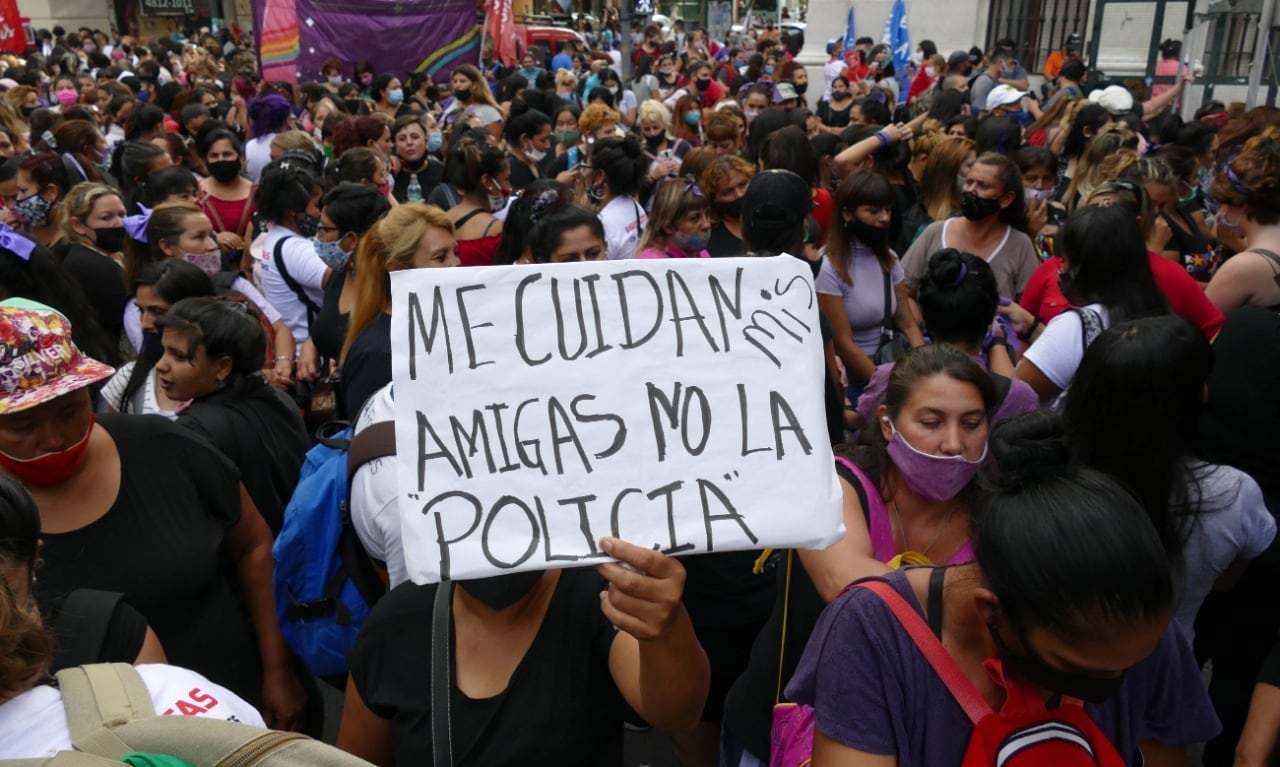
x=848, y=31
x=898, y=38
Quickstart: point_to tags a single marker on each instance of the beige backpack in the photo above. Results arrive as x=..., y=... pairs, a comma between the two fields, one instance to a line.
x=110, y=715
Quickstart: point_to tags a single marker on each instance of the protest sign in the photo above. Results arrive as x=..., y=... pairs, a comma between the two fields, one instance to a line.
x=673, y=404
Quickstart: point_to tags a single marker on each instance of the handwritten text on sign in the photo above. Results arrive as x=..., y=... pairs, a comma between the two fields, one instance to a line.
x=677, y=405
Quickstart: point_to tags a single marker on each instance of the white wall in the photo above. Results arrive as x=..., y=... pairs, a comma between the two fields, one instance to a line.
x=46, y=14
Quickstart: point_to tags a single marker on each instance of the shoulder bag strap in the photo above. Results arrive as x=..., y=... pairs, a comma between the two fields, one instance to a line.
x=278, y=255
x=886, y=325
x=786, y=608
x=242, y=228
x=99, y=697
x=441, y=679
x=81, y=626
x=376, y=441
x=974, y=705
x=211, y=211
x=937, y=579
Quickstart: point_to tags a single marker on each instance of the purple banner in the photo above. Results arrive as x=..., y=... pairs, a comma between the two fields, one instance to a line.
x=398, y=36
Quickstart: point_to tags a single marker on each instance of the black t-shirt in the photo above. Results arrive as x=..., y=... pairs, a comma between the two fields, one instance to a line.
x=329, y=328
x=833, y=116
x=367, y=367
x=91, y=626
x=723, y=244
x=263, y=434
x=561, y=706
x=521, y=174
x=429, y=175
x=160, y=544
x=102, y=281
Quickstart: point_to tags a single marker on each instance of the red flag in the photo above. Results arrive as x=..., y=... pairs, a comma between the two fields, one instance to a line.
x=12, y=36
x=499, y=26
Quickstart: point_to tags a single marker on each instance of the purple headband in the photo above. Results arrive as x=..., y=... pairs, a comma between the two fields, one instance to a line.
x=15, y=243
x=1236, y=183
x=136, y=226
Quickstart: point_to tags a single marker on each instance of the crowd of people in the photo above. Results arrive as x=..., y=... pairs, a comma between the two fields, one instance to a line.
x=1052, y=351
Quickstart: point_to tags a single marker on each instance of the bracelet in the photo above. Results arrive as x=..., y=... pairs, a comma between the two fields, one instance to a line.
x=285, y=359
x=1035, y=323
x=998, y=341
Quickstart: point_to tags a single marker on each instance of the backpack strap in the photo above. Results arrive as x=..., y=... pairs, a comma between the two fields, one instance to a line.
x=99, y=697
x=851, y=474
x=441, y=679
x=937, y=579
x=974, y=705
x=1090, y=325
x=82, y=624
x=278, y=257
x=376, y=441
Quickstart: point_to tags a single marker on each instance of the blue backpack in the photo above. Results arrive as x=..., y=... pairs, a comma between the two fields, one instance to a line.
x=325, y=583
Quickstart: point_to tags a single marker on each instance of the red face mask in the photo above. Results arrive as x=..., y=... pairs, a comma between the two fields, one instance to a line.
x=50, y=468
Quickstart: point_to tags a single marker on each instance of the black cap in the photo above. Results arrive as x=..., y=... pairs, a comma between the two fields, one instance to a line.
x=776, y=199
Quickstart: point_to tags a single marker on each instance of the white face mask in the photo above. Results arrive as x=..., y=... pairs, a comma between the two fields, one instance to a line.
x=534, y=154
x=750, y=114
x=929, y=71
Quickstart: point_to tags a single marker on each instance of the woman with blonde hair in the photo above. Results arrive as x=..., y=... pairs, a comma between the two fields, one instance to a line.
x=725, y=183
x=412, y=236
x=1092, y=166
x=93, y=224
x=471, y=95
x=678, y=226
x=943, y=175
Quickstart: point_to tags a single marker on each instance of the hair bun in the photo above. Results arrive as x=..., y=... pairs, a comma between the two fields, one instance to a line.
x=946, y=268
x=1026, y=449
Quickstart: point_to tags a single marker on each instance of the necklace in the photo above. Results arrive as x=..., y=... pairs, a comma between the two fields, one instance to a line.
x=942, y=528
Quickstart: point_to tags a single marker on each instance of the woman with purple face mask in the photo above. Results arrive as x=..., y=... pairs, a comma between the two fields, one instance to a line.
x=905, y=483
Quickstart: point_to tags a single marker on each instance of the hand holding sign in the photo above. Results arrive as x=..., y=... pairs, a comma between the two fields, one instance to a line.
x=645, y=600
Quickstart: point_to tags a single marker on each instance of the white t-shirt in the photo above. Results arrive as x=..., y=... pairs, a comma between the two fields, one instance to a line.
x=34, y=724
x=257, y=155
x=830, y=72
x=143, y=402
x=1235, y=524
x=307, y=270
x=375, y=511
x=623, y=220
x=1059, y=349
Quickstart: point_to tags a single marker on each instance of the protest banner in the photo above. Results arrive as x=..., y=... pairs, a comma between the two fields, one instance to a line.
x=673, y=404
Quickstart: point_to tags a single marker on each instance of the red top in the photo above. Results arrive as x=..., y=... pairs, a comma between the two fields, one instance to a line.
x=1186, y=299
x=229, y=214
x=822, y=208
x=481, y=252
x=920, y=84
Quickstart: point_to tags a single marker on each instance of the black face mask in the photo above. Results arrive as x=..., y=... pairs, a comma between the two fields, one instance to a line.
x=462, y=94
x=871, y=236
x=976, y=208
x=353, y=106
x=308, y=225
x=109, y=239
x=702, y=85
x=152, y=348
x=224, y=171
x=498, y=592
x=729, y=209
x=26, y=111
x=655, y=141
x=1030, y=667
x=801, y=87
x=839, y=95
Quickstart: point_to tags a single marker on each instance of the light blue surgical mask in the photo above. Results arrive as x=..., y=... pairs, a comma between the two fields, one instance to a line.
x=434, y=140
x=331, y=253
x=395, y=97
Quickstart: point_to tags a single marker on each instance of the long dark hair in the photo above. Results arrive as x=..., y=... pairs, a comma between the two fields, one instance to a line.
x=911, y=368
x=225, y=328
x=1063, y=545
x=173, y=280
x=1132, y=412
x=1107, y=262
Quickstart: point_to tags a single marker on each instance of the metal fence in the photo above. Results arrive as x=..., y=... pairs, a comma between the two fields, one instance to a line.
x=1039, y=27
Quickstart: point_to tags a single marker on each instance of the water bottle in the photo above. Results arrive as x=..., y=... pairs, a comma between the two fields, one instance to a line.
x=414, y=193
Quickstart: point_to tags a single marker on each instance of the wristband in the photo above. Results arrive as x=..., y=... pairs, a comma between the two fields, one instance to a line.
x=884, y=138
x=1035, y=323
x=998, y=341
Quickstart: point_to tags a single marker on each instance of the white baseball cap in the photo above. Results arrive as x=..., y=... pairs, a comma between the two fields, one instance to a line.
x=1003, y=95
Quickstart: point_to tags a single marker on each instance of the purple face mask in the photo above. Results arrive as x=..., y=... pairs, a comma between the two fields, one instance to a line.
x=935, y=478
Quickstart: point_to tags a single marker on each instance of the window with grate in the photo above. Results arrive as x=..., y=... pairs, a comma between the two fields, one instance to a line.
x=1229, y=46
x=1039, y=27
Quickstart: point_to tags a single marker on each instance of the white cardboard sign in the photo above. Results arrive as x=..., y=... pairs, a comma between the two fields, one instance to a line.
x=673, y=404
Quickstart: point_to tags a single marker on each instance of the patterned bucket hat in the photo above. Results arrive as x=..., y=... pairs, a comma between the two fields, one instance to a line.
x=38, y=361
